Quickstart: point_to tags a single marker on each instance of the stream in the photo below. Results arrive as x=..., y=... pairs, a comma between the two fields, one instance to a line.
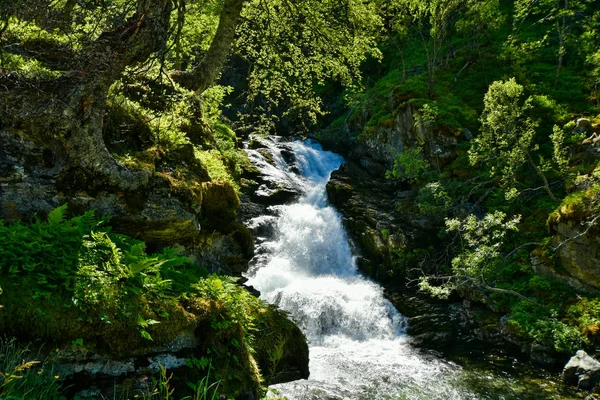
x=357, y=341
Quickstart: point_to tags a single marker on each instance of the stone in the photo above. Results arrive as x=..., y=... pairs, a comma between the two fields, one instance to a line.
x=578, y=242
x=404, y=194
x=584, y=125
x=582, y=370
x=542, y=355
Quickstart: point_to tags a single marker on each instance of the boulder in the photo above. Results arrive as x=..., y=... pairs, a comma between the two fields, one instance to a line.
x=582, y=370
x=584, y=125
x=576, y=236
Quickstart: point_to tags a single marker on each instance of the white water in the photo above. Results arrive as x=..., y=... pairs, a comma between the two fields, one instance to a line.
x=358, y=349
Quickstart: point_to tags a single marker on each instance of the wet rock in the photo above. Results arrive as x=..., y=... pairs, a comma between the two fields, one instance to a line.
x=283, y=194
x=582, y=370
x=584, y=125
x=379, y=222
x=543, y=355
x=373, y=167
x=404, y=194
x=256, y=143
x=377, y=147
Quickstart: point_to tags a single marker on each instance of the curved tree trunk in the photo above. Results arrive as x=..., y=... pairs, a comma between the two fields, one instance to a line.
x=76, y=104
x=104, y=61
x=206, y=73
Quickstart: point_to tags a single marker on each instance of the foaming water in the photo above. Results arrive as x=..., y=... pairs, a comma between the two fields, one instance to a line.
x=358, y=349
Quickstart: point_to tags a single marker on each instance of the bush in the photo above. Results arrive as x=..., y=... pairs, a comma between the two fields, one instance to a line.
x=409, y=165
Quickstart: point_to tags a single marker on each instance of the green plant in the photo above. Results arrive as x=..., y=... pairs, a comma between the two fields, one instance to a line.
x=479, y=255
x=543, y=326
x=204, y=389
x=433, y=200
x=23, y=376
x=409, y=165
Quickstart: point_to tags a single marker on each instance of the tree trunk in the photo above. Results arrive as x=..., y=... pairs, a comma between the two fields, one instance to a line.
x=403, y=67
x=541, y=174
x=86, y=149
x=431, y=81
x=77, y=104
x=561, y=50
x=206, y=73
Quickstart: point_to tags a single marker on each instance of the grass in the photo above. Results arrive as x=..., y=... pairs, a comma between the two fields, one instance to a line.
x=23, y=376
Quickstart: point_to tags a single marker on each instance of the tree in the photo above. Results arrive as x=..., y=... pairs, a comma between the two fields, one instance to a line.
x=433, y=21
x=84, y=48
x=295, y=47
x=561, y=17
x=506, y=141
x=479, y=256
x=478, y=20
x=71, y=98
x=590, y=40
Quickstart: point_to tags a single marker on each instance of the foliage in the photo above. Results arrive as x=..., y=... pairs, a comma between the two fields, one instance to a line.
x=507, y=136
x=409, y=165
x=23, y=376
x=481, y=243
x=542, y=326
x=295, y=48
x=506, y=131
x=433, y=200
x=73, y=281
x=98, y=271
x=433, y=20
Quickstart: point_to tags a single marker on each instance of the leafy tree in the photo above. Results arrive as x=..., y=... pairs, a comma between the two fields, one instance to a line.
x=507, y=135
x=82, y=50
x=433, y=20
x=409, y=165
x=561, y=17
x=590, y=40
x=479, y=256
x=478, y=20
x=294, y=47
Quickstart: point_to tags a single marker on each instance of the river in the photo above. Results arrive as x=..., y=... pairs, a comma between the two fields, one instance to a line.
x=357, y=341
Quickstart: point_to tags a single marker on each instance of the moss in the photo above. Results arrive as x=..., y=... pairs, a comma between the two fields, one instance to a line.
x=158, y=233
x=219, y=205
x=281, y=349
x=126, y=129
x=578, y=206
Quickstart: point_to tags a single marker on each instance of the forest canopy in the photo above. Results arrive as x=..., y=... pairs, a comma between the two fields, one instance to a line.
x=62, y=60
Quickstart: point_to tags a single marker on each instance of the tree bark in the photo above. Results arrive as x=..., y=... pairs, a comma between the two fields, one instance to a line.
x=206, y=73
x=541, y=174
x=76, y=104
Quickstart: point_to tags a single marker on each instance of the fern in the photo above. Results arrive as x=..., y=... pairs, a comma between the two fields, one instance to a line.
x=57, y=216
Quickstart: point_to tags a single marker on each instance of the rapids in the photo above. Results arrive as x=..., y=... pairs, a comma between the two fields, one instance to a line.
x=358, y=346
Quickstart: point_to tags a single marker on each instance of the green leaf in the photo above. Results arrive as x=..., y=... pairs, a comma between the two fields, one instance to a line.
x=57, y=216
x=146, y=335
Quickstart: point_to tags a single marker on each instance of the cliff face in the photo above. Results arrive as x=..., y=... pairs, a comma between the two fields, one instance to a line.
x=376, y=147
x=36, y=176
x=576, y=232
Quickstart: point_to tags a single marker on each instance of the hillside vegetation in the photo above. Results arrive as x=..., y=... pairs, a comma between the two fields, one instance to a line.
x=481, y=117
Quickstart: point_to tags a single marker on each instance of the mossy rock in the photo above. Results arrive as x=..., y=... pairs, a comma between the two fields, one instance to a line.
x=51, y=317
x=255, y=144
x=219, y=205
x=281, y=349
x=125, y=129
x=338, y=191
x=576, y=207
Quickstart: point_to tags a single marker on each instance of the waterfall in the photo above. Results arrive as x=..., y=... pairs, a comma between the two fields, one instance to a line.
x=358, y=349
